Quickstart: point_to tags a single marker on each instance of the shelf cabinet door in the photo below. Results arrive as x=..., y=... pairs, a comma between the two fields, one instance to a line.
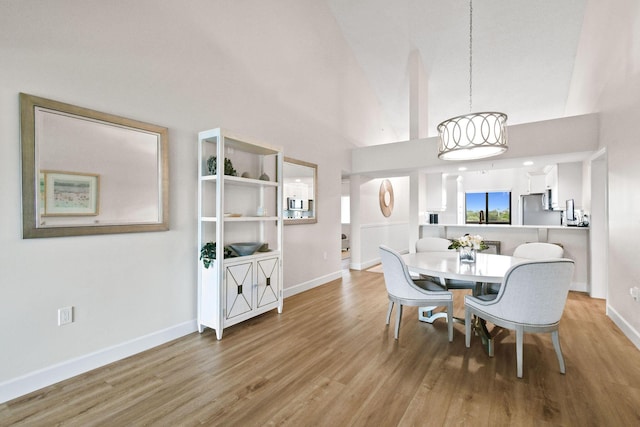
x=238, y=283
x=267, y=281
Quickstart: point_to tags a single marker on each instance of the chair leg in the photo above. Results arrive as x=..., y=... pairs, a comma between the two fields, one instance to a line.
x=467, y=327
x=389, y=311
x=555, y=337
x=519, y=341
x=398, y=317
x=450, y=320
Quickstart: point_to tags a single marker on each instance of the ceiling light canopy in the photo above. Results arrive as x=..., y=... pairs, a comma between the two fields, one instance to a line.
x=473, y=135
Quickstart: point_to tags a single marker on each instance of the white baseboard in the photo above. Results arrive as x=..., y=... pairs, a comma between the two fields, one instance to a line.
x=624, y=326
x=364, y=265
x=305, y=286
x=368, y=264
x=36, y=380
x=53, y=374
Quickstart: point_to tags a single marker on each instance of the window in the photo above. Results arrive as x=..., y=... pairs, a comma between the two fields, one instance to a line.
x=490, y=208
x=345, y=209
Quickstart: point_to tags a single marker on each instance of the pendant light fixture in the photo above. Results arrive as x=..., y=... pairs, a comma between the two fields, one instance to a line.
x=473, y=135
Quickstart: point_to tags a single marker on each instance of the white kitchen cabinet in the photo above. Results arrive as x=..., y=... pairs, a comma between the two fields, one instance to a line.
x=537, y=182
x=245, y=207
x=565, y=182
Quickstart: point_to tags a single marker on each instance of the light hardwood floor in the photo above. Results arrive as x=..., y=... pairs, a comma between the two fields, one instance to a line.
x=329, y=360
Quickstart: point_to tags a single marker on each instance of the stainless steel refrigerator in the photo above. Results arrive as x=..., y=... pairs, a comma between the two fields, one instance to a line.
x=532, y=211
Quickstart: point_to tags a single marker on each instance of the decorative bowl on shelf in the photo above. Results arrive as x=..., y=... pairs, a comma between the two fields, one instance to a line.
x=245, y=248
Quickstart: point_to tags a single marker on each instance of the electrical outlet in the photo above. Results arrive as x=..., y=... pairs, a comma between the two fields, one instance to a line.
x=65, y=315
x=635, y=293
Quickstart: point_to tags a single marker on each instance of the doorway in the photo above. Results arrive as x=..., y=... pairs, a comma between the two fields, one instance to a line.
x=345, y=220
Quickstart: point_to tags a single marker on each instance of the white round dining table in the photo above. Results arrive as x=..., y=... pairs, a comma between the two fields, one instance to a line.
x=487, y=268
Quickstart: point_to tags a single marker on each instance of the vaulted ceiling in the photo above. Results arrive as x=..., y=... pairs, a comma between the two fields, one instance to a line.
x=523, y=55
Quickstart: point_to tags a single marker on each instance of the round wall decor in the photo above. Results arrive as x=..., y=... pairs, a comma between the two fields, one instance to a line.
x=386, y=197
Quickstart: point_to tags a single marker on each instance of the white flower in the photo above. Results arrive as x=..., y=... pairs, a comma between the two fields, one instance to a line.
x=468, y=241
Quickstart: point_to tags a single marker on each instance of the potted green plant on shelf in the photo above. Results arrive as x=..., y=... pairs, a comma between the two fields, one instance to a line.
x=208, y=253
x=212, y=165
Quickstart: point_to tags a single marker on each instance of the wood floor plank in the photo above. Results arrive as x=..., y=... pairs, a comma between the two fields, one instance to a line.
x=330, y=360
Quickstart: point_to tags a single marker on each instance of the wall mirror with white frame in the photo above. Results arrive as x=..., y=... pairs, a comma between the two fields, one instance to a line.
x=300, y=192
x=85, y=172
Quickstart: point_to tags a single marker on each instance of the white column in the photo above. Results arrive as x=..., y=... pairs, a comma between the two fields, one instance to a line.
x=354, y=206
x=418, y=94
x=414, y=210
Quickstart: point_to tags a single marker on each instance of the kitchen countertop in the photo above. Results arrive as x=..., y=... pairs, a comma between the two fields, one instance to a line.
x=551, y=227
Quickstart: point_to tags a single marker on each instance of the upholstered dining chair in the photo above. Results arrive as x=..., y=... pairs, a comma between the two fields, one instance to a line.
x=432, y=244
x=439, y=244
x=538, y=250
x=531, y=299
x=533, y=250
x=403, y=290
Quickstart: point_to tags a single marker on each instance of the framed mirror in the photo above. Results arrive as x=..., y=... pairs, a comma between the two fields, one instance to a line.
x=300, y=192
x=86, y=172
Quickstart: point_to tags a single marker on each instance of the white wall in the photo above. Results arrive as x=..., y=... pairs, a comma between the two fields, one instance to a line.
x=278, y=71
x=376, y=229
x=607, y=79
x=566, y=137
x=570, y=184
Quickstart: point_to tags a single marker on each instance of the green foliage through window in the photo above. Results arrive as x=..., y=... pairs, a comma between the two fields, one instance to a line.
x=488, y=208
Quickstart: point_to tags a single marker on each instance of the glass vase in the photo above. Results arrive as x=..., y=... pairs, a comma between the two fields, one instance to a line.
x=467, y=254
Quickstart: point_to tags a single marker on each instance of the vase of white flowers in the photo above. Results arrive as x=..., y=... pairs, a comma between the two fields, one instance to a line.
x=467, y=254
x=467, y=246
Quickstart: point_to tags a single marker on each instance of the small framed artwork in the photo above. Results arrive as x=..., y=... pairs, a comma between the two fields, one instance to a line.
x=41, y=193
x=71, y=193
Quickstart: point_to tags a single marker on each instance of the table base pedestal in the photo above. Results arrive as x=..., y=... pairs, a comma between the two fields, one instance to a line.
x=478, y=326
x=426, y=314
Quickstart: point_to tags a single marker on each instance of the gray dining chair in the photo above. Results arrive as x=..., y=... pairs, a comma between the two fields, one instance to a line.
x=533, y=250
x=432, y=244
x=538, y=250
x=403, y=290
x=531, y=299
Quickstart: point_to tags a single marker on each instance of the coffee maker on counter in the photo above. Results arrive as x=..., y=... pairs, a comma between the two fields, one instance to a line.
x=575, y=217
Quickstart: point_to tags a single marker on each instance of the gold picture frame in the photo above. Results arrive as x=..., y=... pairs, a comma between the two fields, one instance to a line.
x=131, y=157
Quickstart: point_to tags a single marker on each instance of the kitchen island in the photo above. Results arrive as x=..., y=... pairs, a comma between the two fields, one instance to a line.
x=574, y=240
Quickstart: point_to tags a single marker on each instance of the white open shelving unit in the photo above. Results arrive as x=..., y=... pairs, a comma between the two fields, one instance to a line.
x=236, y=209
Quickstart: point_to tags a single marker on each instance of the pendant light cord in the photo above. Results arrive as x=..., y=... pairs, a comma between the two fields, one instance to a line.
x=470, y=55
